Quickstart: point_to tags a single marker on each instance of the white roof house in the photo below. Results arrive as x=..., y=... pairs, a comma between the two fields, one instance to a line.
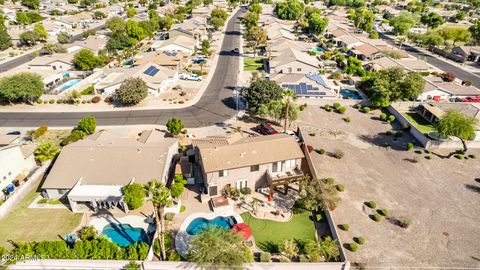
x=177, y=44
x=292, y=61
x=17, y=160
x=437, y=89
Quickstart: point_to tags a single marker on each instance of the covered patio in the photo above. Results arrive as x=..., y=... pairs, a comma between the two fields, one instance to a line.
x=92, y=198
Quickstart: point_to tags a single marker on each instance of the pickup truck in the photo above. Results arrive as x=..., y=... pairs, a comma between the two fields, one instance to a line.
x=190, y=77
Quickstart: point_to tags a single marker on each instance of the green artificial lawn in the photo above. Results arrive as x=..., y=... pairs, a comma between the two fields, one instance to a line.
x=34, y=224
x=269, y=235
x=252, y=64
x=419, y=122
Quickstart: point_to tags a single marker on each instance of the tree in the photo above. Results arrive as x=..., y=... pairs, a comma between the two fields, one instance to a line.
x=455, y=34
x=87, y=60
x=289, y=9
x=131, y=12
x=98, y=15
x=46, y=151
x=5, y=40
x=165, y=22
x=135, y=31
x=256, y=37
x=456, y=124
x=217, y=22
x=63, y=37
x=29, y=38
x=288, y=95
x=23, y=86
x=432, y=20
x=118, y=41
x=475, y=31
x=317, y=24
x=160, y=199
x=290, y=248
x=318, y=195
x=324, y=250
x=88, y=32
x=52, y=48
x=255, y=8
x=40, y=31
x=132, y=91
x=88, y=125
x=116, y=25
x=403, y=23
x=354, y=66
x=29, y=17
x=363, y=19
x=219, y=13
x=250, y=20
x=448, y=76
x=175, y=126
x=177, y=190
x=219, y=248
x=134, y=195
x=261, y=92
x=206, y=47
x=31, y=4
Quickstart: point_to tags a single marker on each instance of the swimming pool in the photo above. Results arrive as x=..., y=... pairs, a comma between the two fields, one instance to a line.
x=68, y=85
x=350, y=94
x=124, y=234
x=317, y=49
x=199, y=224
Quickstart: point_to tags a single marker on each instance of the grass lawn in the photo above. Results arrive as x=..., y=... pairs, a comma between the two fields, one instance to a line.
x=252, y=64
x=25, y=224
x=269, y=235
x=419, y=122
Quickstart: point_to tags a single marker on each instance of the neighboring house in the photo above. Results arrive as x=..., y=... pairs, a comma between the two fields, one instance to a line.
x=69, y=22
x=292, y=61
x=16, y=159
x=470, y=53
x=171, y=60
x=94, y=43
x=92, y=172
x=365, y=52
x=255, y=162
x=176, y=44
x=56, y=61
x=308, y=85
x=406, y=63
x=278, y=31
x=112, y=10
x=283, y=44
x=157, y=78
x=436, y=89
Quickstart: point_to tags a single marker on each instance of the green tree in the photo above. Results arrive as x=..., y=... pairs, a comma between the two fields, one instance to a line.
x=288, y=96
x=456, y=124
x=116, y=25
x=46, y=151
x=318, y=195
x=29, y=38
x=363, y=19
x=324, y=250
x=87, y=60
x=160, y=199
x=88, y=125
x=403, y=23
x=250, y=20
x=165, y=23
x=354, y=66
x=177, y=189
x=52, y=48
x=289, y=9
x=131, y=12
x=119, y=41
x=39, y=29
x=290, y=248
x=206, y=47
x=261, y=92
x=31, y=4
x=98, y=15
x=175, y=126
x=132, y=91
x=219, y=13
x=23, y=86
x=256, y=37
x=219, y=248
x=317, y=24
x=135, y=31
x=5, y=40
x=475, y=31
x=455, y=34
x=432, y=20
x=134, y=195
x=63, y=37
x=217, y=22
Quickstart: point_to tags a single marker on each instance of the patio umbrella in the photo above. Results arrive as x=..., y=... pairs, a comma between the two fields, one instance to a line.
x=243, y=229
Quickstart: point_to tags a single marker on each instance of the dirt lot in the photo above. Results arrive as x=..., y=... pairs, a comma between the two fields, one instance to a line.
x=441, y=196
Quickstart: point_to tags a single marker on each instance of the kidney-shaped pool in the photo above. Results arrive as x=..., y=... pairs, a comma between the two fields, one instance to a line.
x=199, y=224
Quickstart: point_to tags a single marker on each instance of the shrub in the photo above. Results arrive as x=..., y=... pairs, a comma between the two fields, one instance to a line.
x=389, y=132
x=330, y=181
x=340, y=187
x=265, y=257
x=169, y=216
x=88, y=125
x=134, y=195
x=391, y=118
x=366, y=109
x=405, y=222
x=59, y=101
x=321, y=151
x=336, y=105
x=342, y=110
x=51, y=101
x=40, y=131
x=84, y=101
x=132, y=266
x=409, y=146
x=472, y=156
x=377, y=217
x=358, y=106
x=338, y=154
x=353, y=247
x=459, y=156
x=406, y=127
x=108, y=99
x=96, y=99
x=371, y=204
x=383, y=116
x=183, y=208
x=360, y=240
x=318, y=217
x=330, y=109
x=87, y=233
x=303, y=258
x=420, y=152
x=345, y=227
x=383, y=212
x=467, y=83
x=39, y=101
x=283, y=259
x=428, y=157
x=246, y=191
x=347, y=119
x=327, y=107
x=448, y=76
x=302, y=107
x=174, y=257
x=177, y=190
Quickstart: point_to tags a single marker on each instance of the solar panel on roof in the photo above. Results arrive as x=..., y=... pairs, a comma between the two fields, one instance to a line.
x=151, y=71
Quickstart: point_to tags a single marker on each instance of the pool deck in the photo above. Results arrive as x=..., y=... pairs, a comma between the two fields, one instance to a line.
x=182, y=238
x=101, y=221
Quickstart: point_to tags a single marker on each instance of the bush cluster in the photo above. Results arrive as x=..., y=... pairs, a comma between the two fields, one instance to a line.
x=353, y=247
x=338, y=154
x=371, y=204
x=340, y=187
x=383, y=212
x=409, y=146
x=265, y=257
x=345, y=227
x=377, y=217
x=40, y=131
x=360, y=240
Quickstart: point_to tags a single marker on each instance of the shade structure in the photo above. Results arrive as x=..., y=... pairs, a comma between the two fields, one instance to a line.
x=243, y=229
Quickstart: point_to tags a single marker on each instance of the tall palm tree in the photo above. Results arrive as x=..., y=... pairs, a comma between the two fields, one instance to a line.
x=161, y=198
x=288, y=96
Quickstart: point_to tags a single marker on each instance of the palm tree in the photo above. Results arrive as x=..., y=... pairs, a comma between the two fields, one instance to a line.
x=48, y=48
x=161, y=198
x=288, y=97
x=238, y=129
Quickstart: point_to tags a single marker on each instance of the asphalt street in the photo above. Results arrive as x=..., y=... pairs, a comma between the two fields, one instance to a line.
x=437, y=61
x=215, y=106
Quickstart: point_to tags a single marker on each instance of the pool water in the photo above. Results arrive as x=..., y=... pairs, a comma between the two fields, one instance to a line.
x=350, y=94
x=68, y=84
x=317, y=49
x=199, y=224
x=124, y=234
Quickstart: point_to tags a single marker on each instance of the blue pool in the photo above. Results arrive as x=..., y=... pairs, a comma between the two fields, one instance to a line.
x=317, y=49
x=68, y=84
x=199, y=224
x=124, y=234
x=350, y=94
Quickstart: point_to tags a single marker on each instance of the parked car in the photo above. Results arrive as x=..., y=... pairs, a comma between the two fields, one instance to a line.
x=291, y=133
x=266, y=129
x=472, y=99
x=190, y=77
x=199, y=60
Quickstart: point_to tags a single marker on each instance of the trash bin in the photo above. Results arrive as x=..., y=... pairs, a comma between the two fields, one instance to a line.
x=5, y=192
x=10, y=188
x=16, y=183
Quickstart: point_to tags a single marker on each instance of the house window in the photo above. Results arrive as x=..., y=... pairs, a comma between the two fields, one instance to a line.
x=289, y=70
x=254, y=168
x=223, y=173
x=241, y=184
x=275, y=167
x=290, y=163
x=299, y=69
x=62, y=191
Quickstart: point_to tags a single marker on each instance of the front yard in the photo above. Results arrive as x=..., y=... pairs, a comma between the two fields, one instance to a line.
x=25, y=224
x=269, y=235
x=252, y=64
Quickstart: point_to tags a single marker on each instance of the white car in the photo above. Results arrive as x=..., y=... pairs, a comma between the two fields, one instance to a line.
x=191, y=77
x=291, y=133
